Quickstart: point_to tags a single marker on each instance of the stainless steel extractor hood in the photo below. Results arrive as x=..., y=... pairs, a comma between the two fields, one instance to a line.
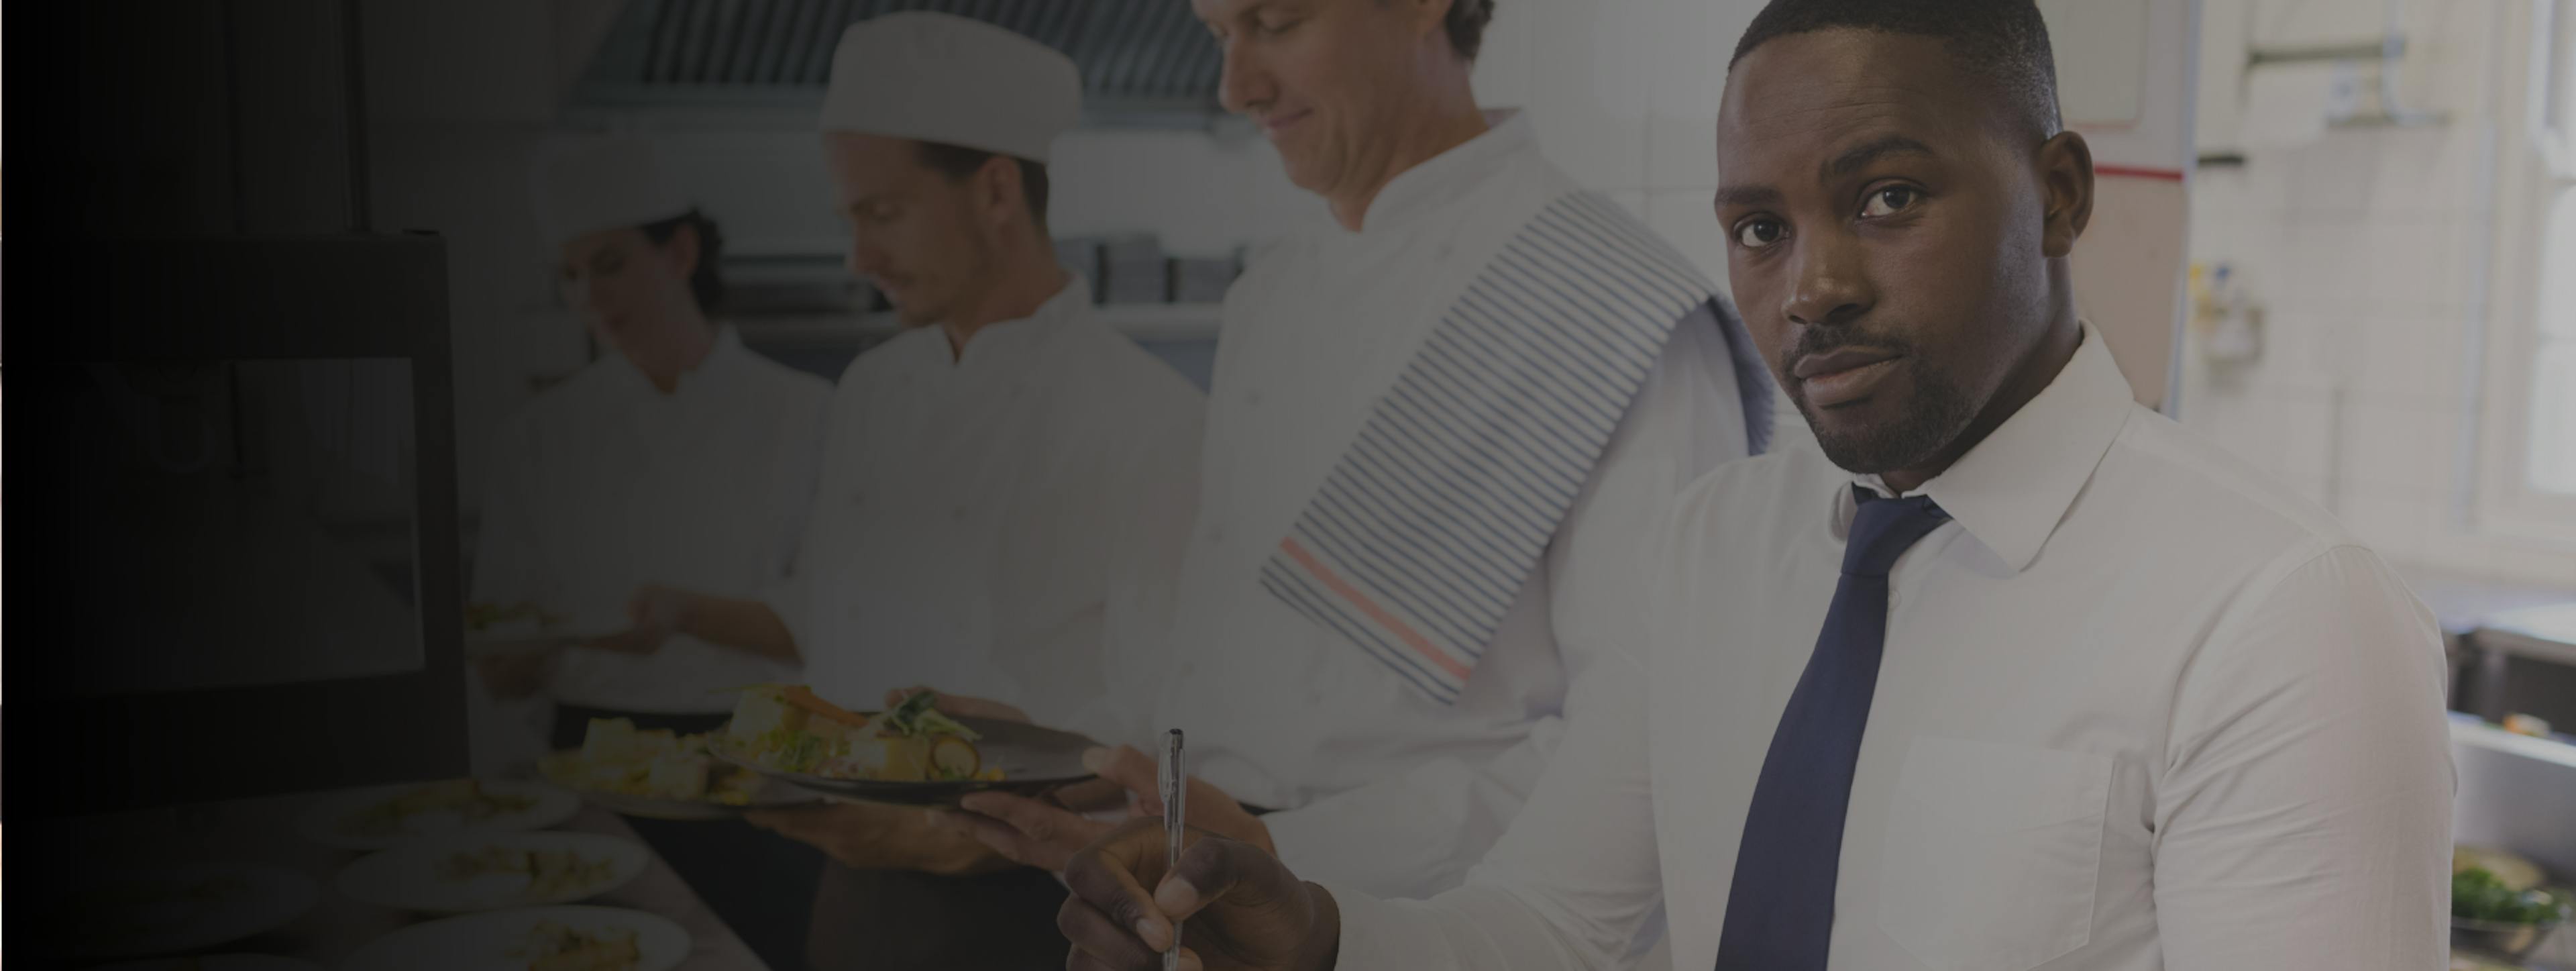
x=1144, y=62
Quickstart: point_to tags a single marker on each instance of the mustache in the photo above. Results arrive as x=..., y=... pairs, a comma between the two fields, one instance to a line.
x=1826, y=340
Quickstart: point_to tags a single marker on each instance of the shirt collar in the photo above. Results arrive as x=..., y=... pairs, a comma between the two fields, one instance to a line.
x=1450, y=174
x=723, y=359
x=2012, y=489
x=1005, y=341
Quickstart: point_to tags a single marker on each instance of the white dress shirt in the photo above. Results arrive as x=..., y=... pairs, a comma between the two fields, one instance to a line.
x=604, y=484
x=1382, y=786
x=2139, y=708
x=981, y=514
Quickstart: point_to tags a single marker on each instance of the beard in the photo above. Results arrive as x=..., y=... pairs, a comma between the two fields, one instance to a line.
x=1927, y=422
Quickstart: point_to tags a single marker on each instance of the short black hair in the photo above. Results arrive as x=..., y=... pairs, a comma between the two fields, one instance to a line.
x=1466, y=25
x=2003, y=42
x=958, y=161
x=705, y=282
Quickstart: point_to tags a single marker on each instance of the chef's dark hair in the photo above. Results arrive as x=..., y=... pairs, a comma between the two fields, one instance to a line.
x=958, y=161
x=2002, y=42
x=1466, y=25
x=705, y=282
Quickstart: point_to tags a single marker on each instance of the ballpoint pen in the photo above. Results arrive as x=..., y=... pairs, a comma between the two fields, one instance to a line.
x=1171, y=781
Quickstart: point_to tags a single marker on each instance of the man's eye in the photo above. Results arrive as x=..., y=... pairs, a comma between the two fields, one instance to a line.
x=1275, y=28
x=1888, y=200
x=1757, y=233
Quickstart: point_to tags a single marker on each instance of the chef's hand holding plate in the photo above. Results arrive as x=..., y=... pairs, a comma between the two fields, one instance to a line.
x=1244, y=910
x=878, y=836
x=1046, y=834
x=653, y=614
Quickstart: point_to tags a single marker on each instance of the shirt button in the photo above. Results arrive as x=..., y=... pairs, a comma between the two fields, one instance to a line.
x=958, y=514
x=1252, y=399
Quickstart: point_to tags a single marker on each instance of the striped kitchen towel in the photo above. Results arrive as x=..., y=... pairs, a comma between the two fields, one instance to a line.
x=1434, y=516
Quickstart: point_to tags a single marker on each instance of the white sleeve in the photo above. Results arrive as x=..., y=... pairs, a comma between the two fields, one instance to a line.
x=1571, y=881
x=2303, y=816
x=1418, y=833
x=824, y=520
x=801, y=473
x=1146, y=536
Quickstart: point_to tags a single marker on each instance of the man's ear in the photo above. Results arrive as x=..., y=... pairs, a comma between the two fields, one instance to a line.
x=2066, y=177
x=998, y=190
x=1429, y=16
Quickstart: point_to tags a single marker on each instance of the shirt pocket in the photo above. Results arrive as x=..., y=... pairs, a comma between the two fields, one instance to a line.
x=1991, y=853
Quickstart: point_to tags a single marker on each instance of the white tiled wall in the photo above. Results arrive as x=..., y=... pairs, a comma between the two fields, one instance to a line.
x=2361, y=247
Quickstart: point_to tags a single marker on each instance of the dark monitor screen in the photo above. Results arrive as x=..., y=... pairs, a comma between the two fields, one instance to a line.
x=232, y=566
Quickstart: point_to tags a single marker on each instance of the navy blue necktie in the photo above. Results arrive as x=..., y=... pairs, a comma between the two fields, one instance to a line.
x=1780, y=910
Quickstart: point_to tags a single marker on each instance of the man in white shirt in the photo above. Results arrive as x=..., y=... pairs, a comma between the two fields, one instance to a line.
x=2010, y=673
x=1442, y=420
x=990, y=475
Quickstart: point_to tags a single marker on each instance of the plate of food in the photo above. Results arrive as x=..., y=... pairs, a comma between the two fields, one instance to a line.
x=390, y=816
x=511, y=628
x=912, y=753
x=489, y=872
x=530, y=939
x=181, y=908
x=656, y=774
x=2499, y=905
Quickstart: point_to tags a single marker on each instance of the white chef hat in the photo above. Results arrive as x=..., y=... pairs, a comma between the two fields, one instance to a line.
x=587, y=184
x=937, y=77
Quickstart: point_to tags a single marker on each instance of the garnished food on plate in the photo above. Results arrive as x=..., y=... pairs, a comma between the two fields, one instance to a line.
x=434, y=808
x=485, y=871
x=384, y=817
x=533, y=874
x=552, y=946
x=615, y=757
x=788, y=729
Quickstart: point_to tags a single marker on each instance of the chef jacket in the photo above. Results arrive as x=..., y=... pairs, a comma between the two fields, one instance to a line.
x=605, y=484
x=1379, y=783
x=986, y=519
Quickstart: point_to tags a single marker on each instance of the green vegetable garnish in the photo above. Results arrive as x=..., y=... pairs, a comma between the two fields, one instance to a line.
x=916, y=717
x=2478, y=895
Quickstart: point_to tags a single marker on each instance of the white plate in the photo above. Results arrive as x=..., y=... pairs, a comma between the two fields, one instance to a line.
x=481, y=942
x=407, y=878
x=182, y=908
x=499, y=641
x=327, y=821
x=219, y=962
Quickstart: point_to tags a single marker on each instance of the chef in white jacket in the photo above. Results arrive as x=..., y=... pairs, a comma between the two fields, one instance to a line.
x=994, y=476
x=1441, y=422
x=679, y=457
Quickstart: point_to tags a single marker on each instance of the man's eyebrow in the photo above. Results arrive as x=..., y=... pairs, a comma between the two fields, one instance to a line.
x=1747, y=195
x=1859, y=158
